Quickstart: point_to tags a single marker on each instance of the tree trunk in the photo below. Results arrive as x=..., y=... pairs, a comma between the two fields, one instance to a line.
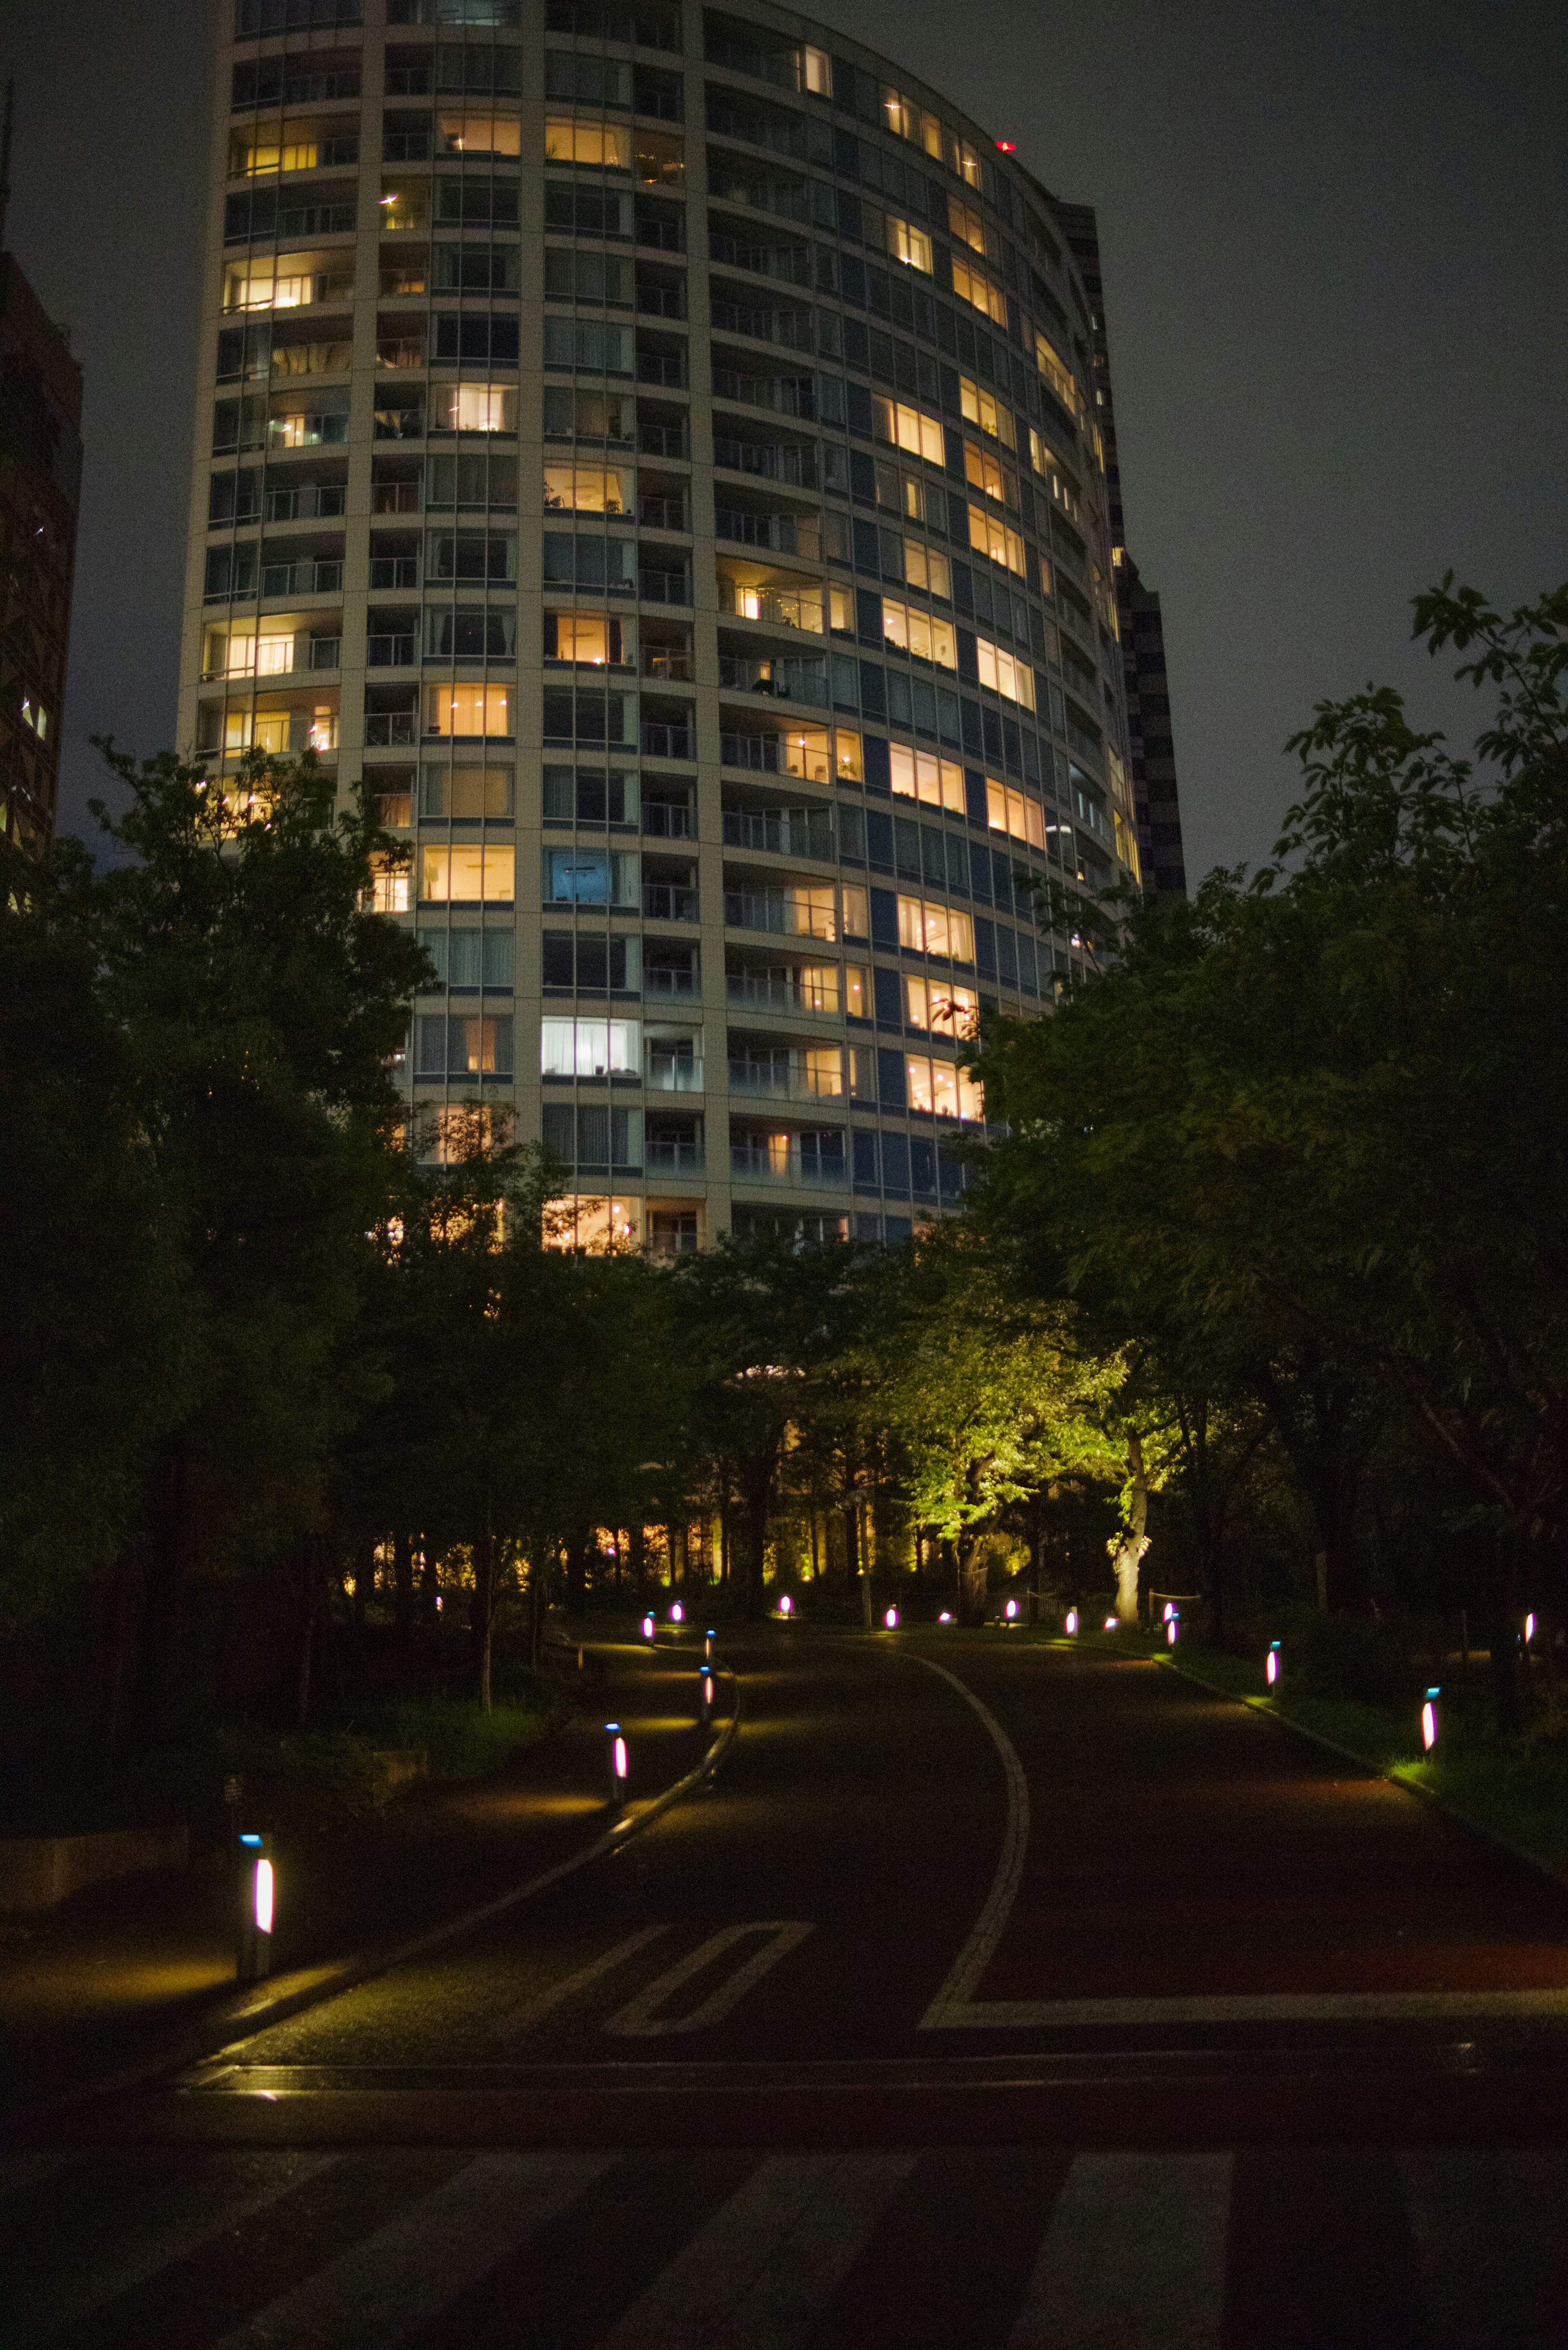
x=482, y=1618
x=403, y=1595
x=1128, y=1548
x=972, y=1578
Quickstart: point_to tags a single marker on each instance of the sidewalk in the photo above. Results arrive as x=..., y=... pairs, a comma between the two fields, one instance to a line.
x=112, y=1977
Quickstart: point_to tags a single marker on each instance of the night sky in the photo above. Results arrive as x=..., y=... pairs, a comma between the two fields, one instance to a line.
x=1336, y=281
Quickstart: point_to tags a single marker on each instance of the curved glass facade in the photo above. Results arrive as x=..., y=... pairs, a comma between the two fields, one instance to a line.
x=656, y=445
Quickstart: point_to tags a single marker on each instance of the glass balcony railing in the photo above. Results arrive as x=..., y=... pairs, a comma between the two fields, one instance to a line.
x=673, y=1151
x=759, y=1163
x=789, y=917
x=304, y=578
x=784, y=835
x=795, y=466
x=311, y=501
x=659, y=979
x=782, y=990
x=667, y=901
x=767, y=1079
x=661, y=742
x=667, y=1073
x=783, y=534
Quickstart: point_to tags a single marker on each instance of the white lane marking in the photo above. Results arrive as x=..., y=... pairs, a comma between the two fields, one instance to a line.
x=391, y=2284
x=765, y=2266
x=522, y=2019
x=1488, y=2226
x=20, y=2170
x=1134, y=2257
x=256, y=2181
x=952, y=2001
x=641, y=2020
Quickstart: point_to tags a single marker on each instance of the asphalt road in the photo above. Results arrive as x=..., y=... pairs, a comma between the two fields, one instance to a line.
x=995, y=1993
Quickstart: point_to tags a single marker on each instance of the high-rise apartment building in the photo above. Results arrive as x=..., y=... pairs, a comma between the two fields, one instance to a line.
x=656, y=444
x=40, y=484
x=1156, y=804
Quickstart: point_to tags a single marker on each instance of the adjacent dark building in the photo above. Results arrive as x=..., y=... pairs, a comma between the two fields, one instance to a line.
x=40, y=476
x=1156, y=805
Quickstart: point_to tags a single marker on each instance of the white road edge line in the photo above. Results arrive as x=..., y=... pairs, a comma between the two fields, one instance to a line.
x=953, y=2002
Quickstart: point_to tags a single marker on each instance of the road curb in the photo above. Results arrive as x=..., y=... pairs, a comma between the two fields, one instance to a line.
x=223, y=2031
x=1543, y=1867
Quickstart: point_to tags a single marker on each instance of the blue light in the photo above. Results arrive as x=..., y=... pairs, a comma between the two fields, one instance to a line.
x=250, y=1839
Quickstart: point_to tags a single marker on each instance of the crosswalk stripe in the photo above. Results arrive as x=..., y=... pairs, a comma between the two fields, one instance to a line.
x=1134, y=2256
x=394, y=2282
x=1492, y=2240
x=256, y=2181
x=770, y=2259
x=522, y=2019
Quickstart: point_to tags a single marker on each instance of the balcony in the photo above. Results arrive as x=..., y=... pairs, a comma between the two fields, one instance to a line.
x=671, y=1072
x=782, y=988
x=395, y=497
x=663, y=440
x=791, y=329
x=391, y=729
x=790, y=832
x=774, y=607
x=660, y=741
x=660, y=301
x=785, y=534
x=785, y=395
x=668, y=901
x=311, y=501
x=404, y=352
x=766, y=1079
x=303, y=578
x=677, y=1153
x=664, y=368
x=402, y=422
x=391, y=651
x=672, y=662
x=803, y=914
x=795, y=467
x=394, y=571
x=760, y=1163
x=667, y=820
x=664, y=513
x=668, y=979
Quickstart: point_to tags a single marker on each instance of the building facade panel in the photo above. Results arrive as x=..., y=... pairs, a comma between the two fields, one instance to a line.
x=655, y=446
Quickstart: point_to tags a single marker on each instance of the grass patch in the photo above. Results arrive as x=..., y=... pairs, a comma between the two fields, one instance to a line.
x=1519, y=1795
x=463, y=1742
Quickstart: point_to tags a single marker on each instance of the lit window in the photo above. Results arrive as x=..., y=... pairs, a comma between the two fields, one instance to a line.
x=909, y=245
x=473, y=408
x=1013, y=679
x=36, y=718
x=1013, y=811
x=984, y=471
x=465, y=1131
x=817, y=986
x=991, y=536
x=608, y=144
x=840, y=609
x=263, y=731
x=857, y=917
x=966, y=223
x=962, y=158
x=596, y=1226
x=584, y=637
x=467, y=873
x=935, y=930
x=909, y=428
x=924, y=567
x=1052, y=366
x=919, y=632
x=940, y=1089
x=922, y=775
x=817, y=72
x=980, y=408
x=589, y=489
x=249, y=655
x=267, y=293
x=300, y=156
x=388, y=891
x=971, y=287
x=590, y=1048
x=479, y=134
x=468, y=709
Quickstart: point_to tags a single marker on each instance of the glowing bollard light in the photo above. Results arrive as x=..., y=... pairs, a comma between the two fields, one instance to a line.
x=1274, y=1665
x=1113, y=1623
x=1173, y=1626
x=705, y=1689
x=1070, y=1624
x=786, y=1607
x=1530, y=1627
x=1430, y=1720
x=648, y=1629
x=258, y=1897
x=1169, y=1611
x=708, y=1639
x=1011, y=1611
x=945, y=1617
x=678, y=1613
x=619, y=1765
x=891, y=1619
